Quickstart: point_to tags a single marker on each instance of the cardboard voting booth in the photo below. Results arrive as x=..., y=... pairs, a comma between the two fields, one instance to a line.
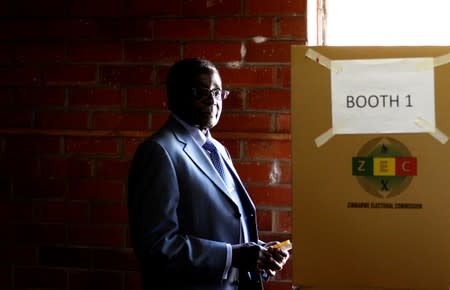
x=371, y=167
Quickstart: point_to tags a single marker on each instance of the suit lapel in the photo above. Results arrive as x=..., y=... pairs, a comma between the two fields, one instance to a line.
x=199, y=157
x=197, y=154
x=243, y=194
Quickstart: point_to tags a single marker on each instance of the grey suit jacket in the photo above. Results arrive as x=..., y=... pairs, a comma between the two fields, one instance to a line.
x=180, y=214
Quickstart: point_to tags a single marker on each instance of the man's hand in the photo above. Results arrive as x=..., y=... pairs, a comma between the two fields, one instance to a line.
x=273, y=259
x=247, y=256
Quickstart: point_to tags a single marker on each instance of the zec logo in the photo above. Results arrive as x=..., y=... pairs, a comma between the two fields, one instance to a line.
x=384, y=167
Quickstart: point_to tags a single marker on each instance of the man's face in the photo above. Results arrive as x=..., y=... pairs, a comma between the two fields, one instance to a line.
x=204, y=110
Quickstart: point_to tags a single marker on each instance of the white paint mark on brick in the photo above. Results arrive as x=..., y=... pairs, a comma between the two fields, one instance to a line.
x=275, y=173
x=259, y=39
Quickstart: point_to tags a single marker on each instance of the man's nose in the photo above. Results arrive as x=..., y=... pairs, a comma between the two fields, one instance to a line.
x=210, y=99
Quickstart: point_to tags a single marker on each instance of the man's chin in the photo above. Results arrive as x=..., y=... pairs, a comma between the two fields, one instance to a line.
x=208, y=124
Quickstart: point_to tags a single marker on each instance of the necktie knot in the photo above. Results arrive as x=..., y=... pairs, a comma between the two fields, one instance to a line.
x=210, y=146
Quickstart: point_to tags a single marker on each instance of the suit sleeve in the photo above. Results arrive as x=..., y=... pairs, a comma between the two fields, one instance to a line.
x=153, y=199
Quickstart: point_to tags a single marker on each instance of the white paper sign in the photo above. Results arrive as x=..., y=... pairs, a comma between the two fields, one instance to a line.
x=382, y=95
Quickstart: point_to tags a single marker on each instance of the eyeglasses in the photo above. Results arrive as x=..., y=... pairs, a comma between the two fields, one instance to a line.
x=217, y=94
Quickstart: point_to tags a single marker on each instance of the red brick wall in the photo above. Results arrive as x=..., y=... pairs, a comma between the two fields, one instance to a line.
x=82, y=83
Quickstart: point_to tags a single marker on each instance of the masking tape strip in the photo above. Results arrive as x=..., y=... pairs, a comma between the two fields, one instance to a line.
x=426, y=65
x=317, y=57
x=435, y=62
x=441, y=60
x=324, y=137
x=436, y=133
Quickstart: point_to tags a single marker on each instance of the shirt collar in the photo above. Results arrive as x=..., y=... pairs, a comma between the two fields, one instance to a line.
x=195, y=132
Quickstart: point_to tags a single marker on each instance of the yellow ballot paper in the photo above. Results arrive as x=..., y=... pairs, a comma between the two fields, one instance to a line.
x=285, y=245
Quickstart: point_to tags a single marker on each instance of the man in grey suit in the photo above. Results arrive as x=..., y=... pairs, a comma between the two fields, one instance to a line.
x=193, y=225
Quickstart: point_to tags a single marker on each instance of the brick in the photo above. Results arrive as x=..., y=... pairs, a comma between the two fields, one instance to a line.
x=268, y=150
x=126, y=75
x=6, y=8
x=40, y=144
x=62, y=120
x=132, y=280
x=146, y=98
x=95, y=98
x=121, y=121
x=96, y=190
x=284, y=77
x=149, y=51
x=251, y=172
x=109, y=213
x=211, y=8
x=40, y=278
x=235, y=100
x=88, y=8
x=245, y=122
x=6, y=97
x=40, y=233
x=71, y=28
x=286, y=169
x=258, y=7
x=5, y=188
x=6, y=277
x=24, y=29
x=124, y=28
x=293, y=27
x=106, y=51
x=158, y=120
x=58, y=256
x=131, y=144
x=19, y=166
x=66, y=167
x=20, y=255
x=269, y=99
x=20, y=75
x=273, y=195
x=92, y=145
x=40, y=8
x=248, y=76
x=233, y=147
x=113, y=168
x=115, y=259
x=96, y=235
x=40, y=52
x=283, y=123
x=161, y=75
x=284, y=221
x=5, y=54
x=270, y=51
x=61, y=212
x=169, y=29
x=264, y=219
x=16, y=211
x=6, y=208
x=160, y=8
x=40, y=188
x=70, y=74
x=95, y=280
x=13, y=119
x=39, y=97
x=214, y=51
x=274, y=284
x=244, y=27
